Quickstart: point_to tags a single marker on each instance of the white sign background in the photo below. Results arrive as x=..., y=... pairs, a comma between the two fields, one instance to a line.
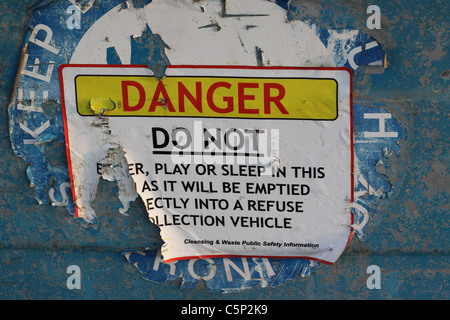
x=320, y=232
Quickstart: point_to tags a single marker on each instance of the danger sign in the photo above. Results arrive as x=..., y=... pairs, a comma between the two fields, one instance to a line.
x=234, y=97
x=228, y=161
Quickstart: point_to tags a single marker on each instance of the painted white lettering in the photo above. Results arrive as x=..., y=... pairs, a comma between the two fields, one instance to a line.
x=31, y=107
x=212, y=269
x=368, y=188
x=34, y=133
x=48, y=37
x=382, y=126
x=34, y=73
x=244, y=274
x=62, y=190
x=159, y=261
x=364, y=212
x=355, y=51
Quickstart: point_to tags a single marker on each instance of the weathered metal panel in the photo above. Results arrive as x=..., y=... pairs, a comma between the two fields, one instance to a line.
x=400, y=131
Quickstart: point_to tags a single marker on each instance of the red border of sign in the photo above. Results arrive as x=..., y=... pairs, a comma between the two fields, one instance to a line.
x=69, y=162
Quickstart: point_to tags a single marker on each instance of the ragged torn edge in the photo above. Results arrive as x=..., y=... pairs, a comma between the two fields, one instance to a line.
x=373, y=151
x=159, y=67
x=114, y=160
x=365, y=50
x=361, y=49
x=114, y=167
x=50, y=183
x=229, y=275
x=226, y=275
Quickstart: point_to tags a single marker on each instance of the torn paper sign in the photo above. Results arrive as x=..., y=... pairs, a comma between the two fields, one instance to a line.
x=228, y=161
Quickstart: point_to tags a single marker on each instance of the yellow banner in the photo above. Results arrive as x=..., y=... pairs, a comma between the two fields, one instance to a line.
x=221, y=97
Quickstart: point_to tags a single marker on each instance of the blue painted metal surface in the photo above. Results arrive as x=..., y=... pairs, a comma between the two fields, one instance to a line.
x=406, y=233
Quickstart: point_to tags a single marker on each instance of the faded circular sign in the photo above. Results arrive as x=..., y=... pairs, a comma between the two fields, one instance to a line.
x=159, y=130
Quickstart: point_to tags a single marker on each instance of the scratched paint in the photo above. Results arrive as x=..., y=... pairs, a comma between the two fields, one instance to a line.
x=36, y=126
